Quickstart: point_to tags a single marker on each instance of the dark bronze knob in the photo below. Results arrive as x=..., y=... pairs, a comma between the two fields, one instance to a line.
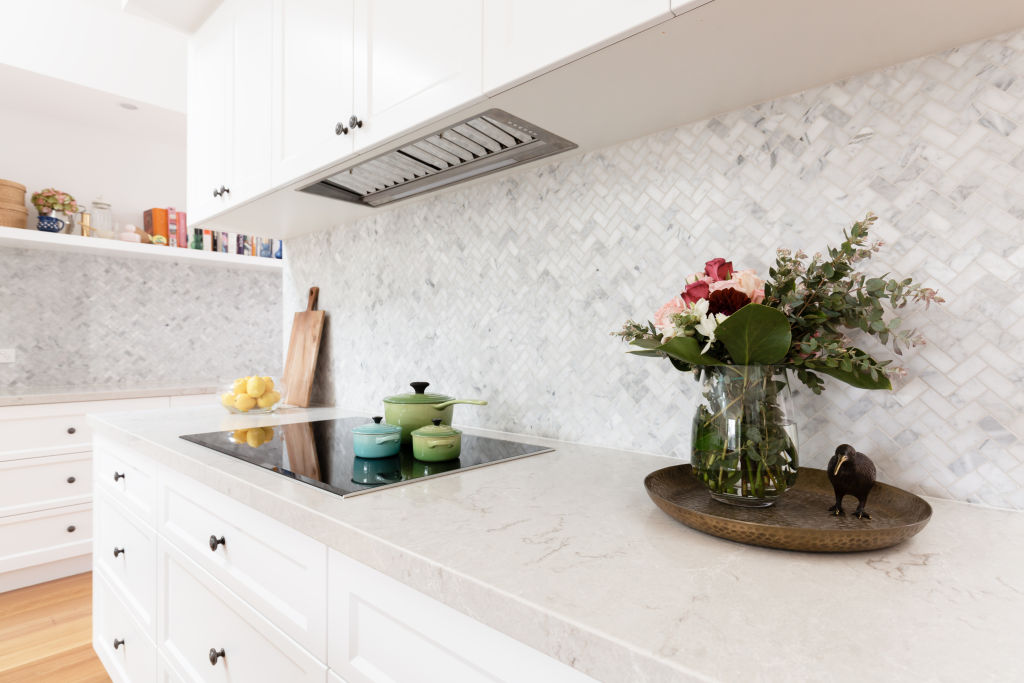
x=118, y=642
x=71, y=430
x=118, y=551
x=216, y=192
x=354, y=122
x=225, y=190
x=215, y=655
x=340, y=129
x=214, y=542
x=118, y=475
x=71, y=528
x=71, y=480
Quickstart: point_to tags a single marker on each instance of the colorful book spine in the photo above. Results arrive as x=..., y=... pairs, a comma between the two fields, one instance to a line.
x=154, y=222
x=182, y=229
x=224, y=243
x=207, y=244
x=239, y=244
x=172, y=227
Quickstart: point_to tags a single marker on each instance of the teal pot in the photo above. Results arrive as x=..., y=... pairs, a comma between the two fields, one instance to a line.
x=419, y=409
x=376, y=471
x=436, y=442
x=376, y=440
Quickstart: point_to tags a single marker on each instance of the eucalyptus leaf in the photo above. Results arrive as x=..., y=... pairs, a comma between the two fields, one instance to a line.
x=755, y=335
x=854, y=377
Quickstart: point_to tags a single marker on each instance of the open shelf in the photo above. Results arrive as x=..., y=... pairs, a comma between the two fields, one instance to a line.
x=17, y=238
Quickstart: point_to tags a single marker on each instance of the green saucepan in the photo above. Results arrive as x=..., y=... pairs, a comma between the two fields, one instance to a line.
x=412, y=411
x=436, y=442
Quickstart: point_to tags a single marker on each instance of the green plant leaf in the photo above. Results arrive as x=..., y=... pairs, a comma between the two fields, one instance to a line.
x=647, y=353
x=687, y=349
x=756, y=335
x=854, y=377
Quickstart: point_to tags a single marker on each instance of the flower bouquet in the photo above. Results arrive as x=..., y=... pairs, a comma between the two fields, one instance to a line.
x=743, y=337
x=49, y=200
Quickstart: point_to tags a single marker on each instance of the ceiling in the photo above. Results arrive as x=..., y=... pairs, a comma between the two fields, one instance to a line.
x=182, y=15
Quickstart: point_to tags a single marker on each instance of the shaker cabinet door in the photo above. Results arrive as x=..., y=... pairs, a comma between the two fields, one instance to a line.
x=312, y=85
x=413, y=62
x=250, y=130
x=524, y=38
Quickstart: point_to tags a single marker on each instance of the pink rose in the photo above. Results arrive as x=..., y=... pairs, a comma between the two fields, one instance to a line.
x=757, y=297
x=663, y=318
x=718, y=269
x=695, y=291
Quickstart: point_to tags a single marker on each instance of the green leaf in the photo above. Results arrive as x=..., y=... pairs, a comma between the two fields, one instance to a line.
x=756, y=335
x=648, y=354
x=854, y=377
x=687, y=349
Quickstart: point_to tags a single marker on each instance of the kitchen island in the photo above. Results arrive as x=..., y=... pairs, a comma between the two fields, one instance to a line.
x=565, y=553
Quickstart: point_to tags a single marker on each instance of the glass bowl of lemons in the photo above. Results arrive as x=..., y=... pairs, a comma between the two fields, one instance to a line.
x=255, y=394
x=254, y=437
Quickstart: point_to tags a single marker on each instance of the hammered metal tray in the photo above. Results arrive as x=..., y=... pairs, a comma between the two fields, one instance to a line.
x=799, y=520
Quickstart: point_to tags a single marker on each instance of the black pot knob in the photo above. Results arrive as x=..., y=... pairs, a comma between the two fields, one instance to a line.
x=436, y=421
x=118, y=642
x=214, y=542
x=215, y=655
x=118, y=551
x=419, y=387
x=376, y=419
x=118, y=475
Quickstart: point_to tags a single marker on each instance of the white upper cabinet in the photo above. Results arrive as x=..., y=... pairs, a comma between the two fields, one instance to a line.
x=228, y=117
x=523, y=38
x=313, y=85
x=413, y=62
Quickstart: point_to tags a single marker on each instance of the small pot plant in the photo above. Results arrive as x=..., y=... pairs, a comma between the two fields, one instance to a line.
x=50, y=200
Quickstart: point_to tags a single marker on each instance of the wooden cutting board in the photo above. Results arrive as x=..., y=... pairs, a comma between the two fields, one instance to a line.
x=303, y=349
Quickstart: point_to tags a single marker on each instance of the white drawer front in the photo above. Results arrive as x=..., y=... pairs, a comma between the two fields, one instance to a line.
x=126, y=547
x=40, y=537
x=278, y=570
x=128, y=655
x=48, y=482
x=129, y=478
x=40, y=434
x=197, y=615
x=382, y=630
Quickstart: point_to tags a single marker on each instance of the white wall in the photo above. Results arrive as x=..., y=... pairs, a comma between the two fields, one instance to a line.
x=95, y=45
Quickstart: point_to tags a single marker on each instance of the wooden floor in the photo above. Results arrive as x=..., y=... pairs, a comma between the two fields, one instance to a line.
x=46, y=633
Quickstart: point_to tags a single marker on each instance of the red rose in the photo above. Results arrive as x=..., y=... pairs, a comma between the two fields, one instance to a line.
x=695, y=291
x=718, y=269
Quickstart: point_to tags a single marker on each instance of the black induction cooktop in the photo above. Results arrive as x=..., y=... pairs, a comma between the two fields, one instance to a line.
x=320, y=454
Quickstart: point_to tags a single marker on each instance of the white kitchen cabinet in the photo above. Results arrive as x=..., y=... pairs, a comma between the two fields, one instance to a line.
x=523, y=38
x=127, y=654
x=413, y=61
x=312, y=85
x=229, y=108
x=46, y=482
x=125, y=547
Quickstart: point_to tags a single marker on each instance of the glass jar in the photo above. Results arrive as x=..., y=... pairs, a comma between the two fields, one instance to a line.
x=102, y=218
x=744, y=440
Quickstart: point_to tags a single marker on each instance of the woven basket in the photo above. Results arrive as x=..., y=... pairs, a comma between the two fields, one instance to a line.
x=13, y=215
x=11, y=192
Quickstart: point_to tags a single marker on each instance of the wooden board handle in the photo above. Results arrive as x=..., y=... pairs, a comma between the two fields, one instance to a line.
x=314, y=294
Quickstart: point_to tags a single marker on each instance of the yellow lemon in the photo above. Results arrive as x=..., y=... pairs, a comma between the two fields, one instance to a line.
x=239, y=435
x=227, y=399
x=255, y=387
x=238, y=386
x=244, y=402
x=269, y=434
x=268, y=399
x=255, y=437
x=269, y=383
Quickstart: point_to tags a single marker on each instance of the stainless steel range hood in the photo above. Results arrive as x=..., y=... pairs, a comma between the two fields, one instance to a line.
x=485, y=143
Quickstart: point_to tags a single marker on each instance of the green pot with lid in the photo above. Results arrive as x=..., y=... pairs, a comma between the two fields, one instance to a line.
x=436, y=442
x=419, y=409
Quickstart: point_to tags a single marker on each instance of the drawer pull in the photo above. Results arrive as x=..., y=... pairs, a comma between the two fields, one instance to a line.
x=214, y=542
x=71, y=528
x=118, y=642
x=215, y=655
x=118, y=551
x=71, y=430
x=118, y=475
x=71, y=480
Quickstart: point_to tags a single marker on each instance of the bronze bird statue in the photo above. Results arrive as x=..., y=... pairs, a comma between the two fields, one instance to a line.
x=851, y=473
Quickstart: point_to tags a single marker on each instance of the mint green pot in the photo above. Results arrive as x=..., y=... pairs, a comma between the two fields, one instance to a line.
x=412, y=411
x=436, y=442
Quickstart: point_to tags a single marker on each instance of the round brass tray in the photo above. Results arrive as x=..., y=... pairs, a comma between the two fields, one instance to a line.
x=799, y=520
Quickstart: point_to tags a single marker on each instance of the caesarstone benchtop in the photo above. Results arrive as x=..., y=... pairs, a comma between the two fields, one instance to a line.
x=565, y=552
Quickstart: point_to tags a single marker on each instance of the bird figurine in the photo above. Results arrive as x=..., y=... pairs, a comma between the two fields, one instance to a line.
x=851, y=473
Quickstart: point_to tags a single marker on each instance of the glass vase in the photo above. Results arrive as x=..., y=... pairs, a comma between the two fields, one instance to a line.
x=744, y=441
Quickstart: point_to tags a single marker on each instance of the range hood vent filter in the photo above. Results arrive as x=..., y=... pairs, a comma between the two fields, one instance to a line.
x=482, y=144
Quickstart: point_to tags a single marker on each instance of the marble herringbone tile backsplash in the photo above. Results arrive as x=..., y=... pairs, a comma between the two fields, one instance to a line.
x=81, y=321
x=508, y=289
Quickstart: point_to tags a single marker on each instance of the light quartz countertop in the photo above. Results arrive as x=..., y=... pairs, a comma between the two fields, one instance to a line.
x=565, y=552
x=57, y=394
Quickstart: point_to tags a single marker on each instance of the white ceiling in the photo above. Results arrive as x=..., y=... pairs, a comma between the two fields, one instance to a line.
x=182, y=15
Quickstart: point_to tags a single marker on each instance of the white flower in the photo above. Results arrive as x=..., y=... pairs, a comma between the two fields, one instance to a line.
x=707, y=327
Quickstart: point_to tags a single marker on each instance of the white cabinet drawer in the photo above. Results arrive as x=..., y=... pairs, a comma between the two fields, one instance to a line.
x=278, y=570
x=127, y=477
x=31, y=436
x=126, y=547
x=128, y=655
x=46, y=536
x=48, y=482
x=200, y=618
x=372, y=618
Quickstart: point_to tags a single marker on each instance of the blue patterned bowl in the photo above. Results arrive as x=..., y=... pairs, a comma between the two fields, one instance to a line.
x=50, y=224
